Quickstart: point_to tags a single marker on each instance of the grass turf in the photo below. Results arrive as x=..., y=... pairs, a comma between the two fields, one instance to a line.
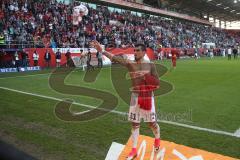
x=207, y=89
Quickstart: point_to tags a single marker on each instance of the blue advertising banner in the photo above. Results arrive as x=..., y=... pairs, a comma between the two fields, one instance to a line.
x=7, y=70
x=24, y=69
x=21, y=69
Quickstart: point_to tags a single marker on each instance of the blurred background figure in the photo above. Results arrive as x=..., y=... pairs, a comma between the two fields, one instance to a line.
x=83, y=60
x=47, y=58
x=58, y=58
x=35, y=58
x=235, y=52
x=229, y=52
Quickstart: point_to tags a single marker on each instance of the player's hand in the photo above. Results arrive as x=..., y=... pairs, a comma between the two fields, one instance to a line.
x=96, y=45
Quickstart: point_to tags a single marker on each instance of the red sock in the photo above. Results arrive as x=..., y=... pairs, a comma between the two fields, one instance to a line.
x=157, y=142
x=133, y=152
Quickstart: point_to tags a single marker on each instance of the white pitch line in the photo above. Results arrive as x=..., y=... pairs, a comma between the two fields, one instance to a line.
x=199, y=128
x=236, y=134
x=58, y=99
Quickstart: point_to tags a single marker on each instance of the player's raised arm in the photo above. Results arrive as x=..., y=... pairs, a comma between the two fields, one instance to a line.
x=112, y=57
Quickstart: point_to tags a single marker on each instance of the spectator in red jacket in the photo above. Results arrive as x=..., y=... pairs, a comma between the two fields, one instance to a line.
x=174, y=59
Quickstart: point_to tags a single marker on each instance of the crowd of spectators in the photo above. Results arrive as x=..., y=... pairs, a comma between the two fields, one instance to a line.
x=46, y=23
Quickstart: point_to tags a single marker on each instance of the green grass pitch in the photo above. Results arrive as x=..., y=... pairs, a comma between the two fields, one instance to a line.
x=207, y=90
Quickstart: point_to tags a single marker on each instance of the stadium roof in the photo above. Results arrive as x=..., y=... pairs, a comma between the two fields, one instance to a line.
x=225, y=10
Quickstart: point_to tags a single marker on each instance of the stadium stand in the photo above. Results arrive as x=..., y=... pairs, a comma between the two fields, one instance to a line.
x=44, y=24
x=25, y=22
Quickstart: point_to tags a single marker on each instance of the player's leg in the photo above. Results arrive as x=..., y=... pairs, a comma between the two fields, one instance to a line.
x=156, y=131
x=135, y=121
x=135, y=135
x=134, y=118
x=152, y=123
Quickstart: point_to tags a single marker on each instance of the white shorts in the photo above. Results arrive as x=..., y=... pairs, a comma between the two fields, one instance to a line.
x=58, y=60
x=136, y=114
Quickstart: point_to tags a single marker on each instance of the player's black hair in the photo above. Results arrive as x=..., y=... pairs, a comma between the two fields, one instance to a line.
x=143, y=47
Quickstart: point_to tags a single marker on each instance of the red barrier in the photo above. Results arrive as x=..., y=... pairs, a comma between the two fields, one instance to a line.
x=41, y=52
x=115, y=51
